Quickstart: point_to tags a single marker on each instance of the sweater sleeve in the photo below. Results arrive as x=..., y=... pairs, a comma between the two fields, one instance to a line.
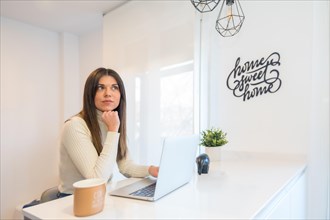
x=77, y=140
x=129, y=168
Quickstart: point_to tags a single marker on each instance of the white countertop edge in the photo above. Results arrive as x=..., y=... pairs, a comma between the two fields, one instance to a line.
x=278, y=195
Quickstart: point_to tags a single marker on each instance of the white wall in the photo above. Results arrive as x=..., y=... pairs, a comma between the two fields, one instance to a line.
x=70, y=79
x=293, y=120
x=90, y=56
x=30, y=112
x=319, y=150
x=266, y=122
x=42, y=77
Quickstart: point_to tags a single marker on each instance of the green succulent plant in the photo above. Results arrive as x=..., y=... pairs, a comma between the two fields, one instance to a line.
x=213, y=137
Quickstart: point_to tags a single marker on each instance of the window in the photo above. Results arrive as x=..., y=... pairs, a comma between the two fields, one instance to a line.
x=176, y=104
x=154, y=55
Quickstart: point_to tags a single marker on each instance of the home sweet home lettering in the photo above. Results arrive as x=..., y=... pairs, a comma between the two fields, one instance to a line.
x=255, y=78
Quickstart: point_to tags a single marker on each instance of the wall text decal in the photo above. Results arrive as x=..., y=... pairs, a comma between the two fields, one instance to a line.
x=255, y=78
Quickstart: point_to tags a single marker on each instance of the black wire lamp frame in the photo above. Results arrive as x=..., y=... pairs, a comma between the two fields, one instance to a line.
x=205, y=5
x=229, y=24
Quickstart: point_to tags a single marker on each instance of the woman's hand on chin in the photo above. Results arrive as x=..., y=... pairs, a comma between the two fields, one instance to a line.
x=111, y=119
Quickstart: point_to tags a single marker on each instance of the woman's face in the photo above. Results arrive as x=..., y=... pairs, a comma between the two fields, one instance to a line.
x=107, y=95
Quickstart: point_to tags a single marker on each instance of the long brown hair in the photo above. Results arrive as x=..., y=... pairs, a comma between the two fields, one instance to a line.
x=89, y=111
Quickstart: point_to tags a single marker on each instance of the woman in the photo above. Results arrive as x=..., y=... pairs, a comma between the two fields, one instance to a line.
x=95, y=139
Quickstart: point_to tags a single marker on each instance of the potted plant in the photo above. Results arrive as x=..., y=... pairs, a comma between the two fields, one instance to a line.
x=212, y=139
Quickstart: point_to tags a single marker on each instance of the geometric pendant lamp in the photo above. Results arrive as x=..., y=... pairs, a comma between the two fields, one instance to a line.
x=205, y=5
x=230, y=18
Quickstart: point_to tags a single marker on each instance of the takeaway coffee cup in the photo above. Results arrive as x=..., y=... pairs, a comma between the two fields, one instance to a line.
x=89, y=195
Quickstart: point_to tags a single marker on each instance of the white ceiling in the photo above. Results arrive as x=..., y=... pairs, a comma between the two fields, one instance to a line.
x=73, y=16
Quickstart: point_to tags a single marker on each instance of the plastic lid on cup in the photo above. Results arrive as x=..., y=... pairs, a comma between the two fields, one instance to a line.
x=89, y=183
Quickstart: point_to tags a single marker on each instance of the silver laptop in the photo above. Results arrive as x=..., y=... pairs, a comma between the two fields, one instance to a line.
x=176, y=169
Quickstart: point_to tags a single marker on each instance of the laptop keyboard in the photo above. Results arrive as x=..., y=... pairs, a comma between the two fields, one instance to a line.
x=147, y=191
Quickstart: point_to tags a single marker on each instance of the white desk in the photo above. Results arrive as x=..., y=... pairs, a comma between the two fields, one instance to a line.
x=240, y=186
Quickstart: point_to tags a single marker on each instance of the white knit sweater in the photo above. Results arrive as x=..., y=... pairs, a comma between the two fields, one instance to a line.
x=79, y=159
